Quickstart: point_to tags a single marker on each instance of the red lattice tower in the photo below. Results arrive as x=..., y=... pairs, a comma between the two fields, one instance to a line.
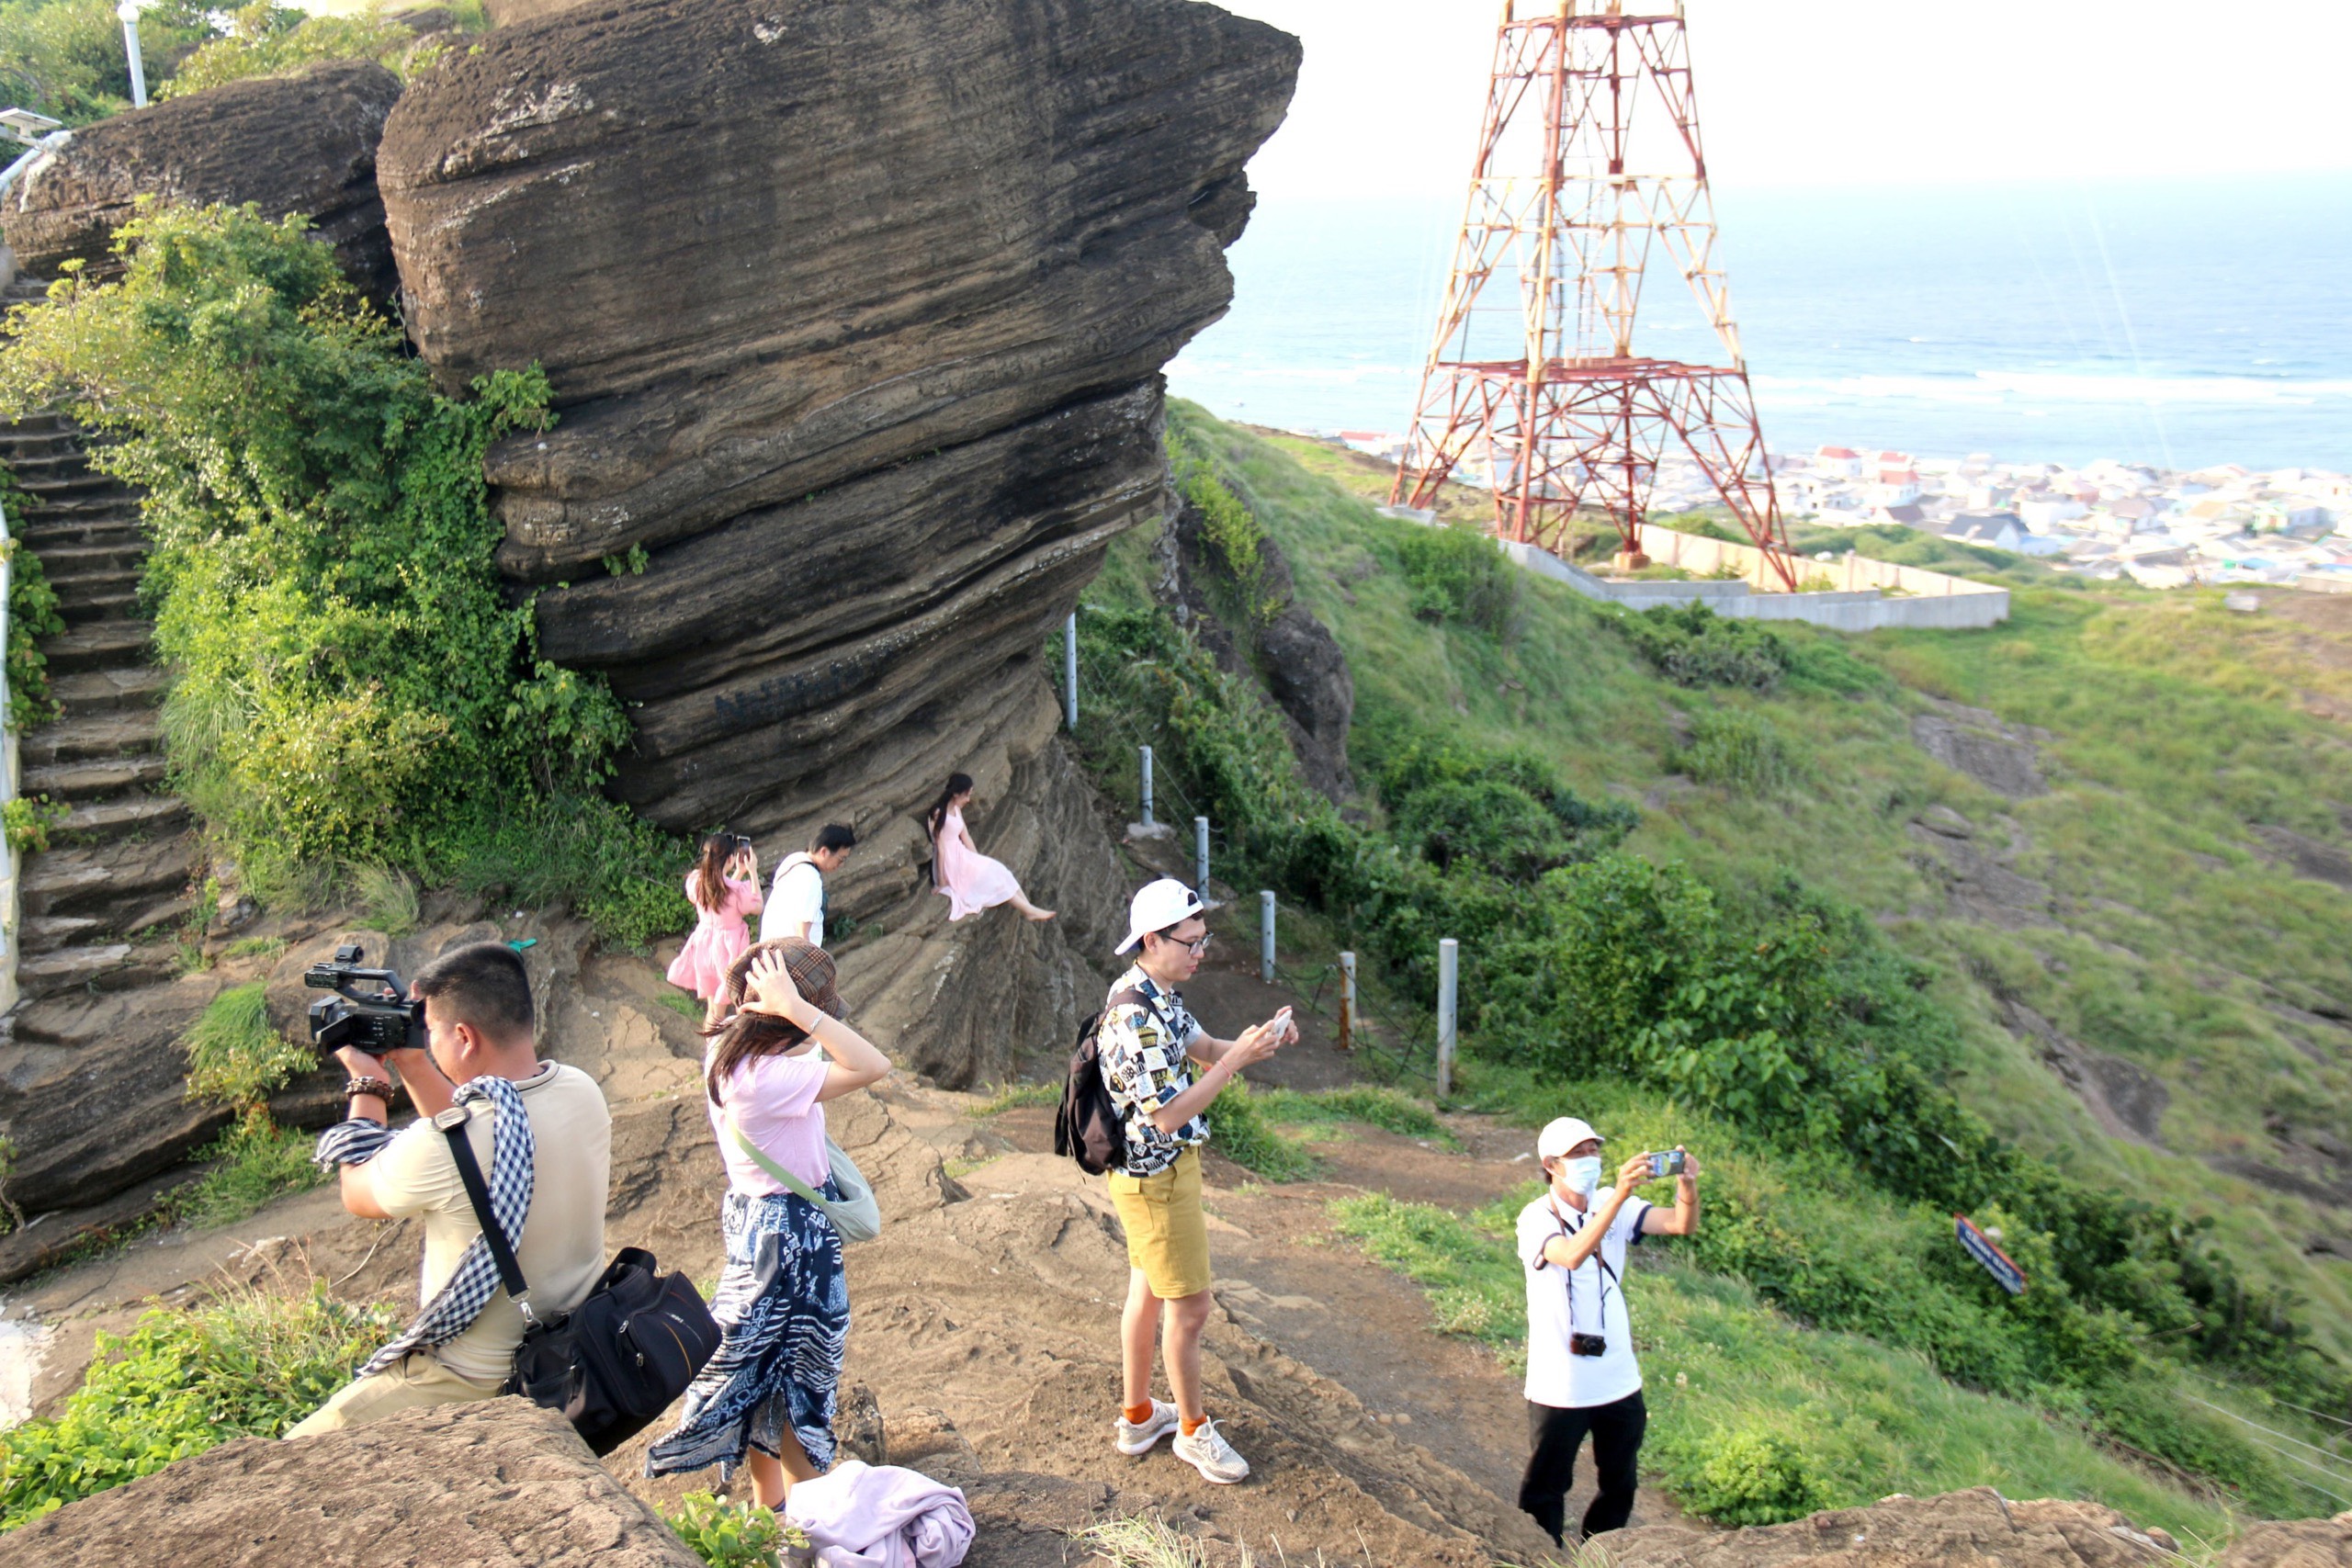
x=1589, y=153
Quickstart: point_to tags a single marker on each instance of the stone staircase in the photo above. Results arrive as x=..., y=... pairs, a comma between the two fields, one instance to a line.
x=120, y=862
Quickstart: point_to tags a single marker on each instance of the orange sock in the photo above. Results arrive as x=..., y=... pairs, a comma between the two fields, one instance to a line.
x=1138, y=1415
x=1191, y=1424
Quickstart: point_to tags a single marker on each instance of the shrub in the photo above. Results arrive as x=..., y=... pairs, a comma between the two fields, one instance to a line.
x=1692, y=645
x=248, y=1365
x=727, y=1534
x=269, y=40
x=32, y=616
x=65, y=59
x=26, y=820
x=1458, y=575
x=1749, y=1475
x=353, y=683
x=235, y=1057
x=1739, y=750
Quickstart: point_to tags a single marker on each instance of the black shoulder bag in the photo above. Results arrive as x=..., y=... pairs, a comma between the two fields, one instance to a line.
x=613, y=1363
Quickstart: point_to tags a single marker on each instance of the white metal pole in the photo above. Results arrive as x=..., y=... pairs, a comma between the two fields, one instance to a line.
x=1347, y=1001
x=1069, y=671
x=1146, y=788
x=1448, y=959
x=1201, y=852
x=1266, y=935
x=129, y=11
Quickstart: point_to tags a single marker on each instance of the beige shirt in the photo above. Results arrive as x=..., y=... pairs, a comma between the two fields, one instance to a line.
x=562, y=1250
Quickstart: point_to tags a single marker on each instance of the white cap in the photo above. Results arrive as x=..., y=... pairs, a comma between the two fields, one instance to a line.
x=1562, y=1134
x=1158, y=906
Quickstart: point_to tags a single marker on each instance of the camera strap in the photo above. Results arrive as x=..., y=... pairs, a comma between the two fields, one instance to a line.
x=510, y=1272
x=1569, y=1276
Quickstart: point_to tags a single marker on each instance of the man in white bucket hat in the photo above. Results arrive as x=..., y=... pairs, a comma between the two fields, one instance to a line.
x=1162, y=1070
x=1581, y=1374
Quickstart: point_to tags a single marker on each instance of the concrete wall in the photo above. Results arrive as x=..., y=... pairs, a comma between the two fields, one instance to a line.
x=1859, y=600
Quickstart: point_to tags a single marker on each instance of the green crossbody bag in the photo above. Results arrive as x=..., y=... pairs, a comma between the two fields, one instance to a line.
x=857, y=1216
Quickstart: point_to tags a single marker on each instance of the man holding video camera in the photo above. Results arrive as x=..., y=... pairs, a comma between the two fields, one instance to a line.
x=464, y=1043
x=1581, y=1373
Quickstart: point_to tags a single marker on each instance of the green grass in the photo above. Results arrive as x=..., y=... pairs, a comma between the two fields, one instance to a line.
x=2177, y=725
x=685, y=1006
x=1015, y=1095
x=234, y=1057
x=1373, y=1105
x=1826, y=1420
x=252, y=1163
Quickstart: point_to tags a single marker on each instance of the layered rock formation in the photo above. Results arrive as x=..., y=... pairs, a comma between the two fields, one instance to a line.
x=502, y=1483
x=1962, y=1529
x=303, y=144
x=854, y=316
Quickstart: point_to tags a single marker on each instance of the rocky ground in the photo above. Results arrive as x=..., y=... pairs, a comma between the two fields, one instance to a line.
x=986, y=1314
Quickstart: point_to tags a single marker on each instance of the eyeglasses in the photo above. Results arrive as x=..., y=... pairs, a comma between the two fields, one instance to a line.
x=1194, y=948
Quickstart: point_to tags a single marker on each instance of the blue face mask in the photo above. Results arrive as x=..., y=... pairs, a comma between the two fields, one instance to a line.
x=1582, y=1175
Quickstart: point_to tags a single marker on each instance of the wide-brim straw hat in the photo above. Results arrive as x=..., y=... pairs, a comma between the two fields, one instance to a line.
x=811, y=966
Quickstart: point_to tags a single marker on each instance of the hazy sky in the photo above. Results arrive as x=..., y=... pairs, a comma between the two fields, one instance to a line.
x=1817, y=92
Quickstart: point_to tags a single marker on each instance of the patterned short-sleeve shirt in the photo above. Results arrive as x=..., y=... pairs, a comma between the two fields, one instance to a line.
x=1143, y=1047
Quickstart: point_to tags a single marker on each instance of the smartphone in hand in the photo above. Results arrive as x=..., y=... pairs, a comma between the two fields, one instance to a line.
x=1668, y=1163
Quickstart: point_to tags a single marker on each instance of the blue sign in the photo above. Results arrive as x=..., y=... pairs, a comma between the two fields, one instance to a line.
x=2004, y=1272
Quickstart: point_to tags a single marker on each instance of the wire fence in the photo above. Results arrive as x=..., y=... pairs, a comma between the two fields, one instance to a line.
x=1404, y=1047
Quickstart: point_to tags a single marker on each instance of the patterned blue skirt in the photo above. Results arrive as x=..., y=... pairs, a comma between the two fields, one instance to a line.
x=783, y=1312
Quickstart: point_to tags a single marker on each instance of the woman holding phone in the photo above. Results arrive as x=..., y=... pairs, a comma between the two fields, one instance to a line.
x=724, y=888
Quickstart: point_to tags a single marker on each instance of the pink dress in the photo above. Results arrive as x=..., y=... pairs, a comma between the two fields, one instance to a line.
x=719, y=938
x=971, y=881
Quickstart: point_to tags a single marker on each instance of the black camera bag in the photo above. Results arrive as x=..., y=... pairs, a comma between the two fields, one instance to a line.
x=613, y=1363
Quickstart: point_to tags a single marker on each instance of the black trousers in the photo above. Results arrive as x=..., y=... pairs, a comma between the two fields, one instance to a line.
x=1616, y=1442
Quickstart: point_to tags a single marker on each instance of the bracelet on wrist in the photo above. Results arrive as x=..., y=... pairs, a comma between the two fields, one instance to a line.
x=381, y=1088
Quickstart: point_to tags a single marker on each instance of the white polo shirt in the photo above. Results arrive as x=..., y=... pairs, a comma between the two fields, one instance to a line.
x=1554, y=1377
x=795, y=902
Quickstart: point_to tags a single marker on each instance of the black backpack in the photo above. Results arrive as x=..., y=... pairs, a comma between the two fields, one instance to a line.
x=613, y=1363
x=1089, y=1128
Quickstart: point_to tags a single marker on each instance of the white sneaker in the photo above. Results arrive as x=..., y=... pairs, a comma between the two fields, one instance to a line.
x=1207, y=1451
x=1135, y=1439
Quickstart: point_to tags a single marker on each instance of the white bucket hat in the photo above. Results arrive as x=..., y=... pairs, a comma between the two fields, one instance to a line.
x=1158, y=906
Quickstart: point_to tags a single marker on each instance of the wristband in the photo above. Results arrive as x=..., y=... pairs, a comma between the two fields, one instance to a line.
x=379, y=1088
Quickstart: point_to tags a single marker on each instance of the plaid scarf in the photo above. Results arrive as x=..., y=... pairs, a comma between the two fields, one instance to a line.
x=513, y=1158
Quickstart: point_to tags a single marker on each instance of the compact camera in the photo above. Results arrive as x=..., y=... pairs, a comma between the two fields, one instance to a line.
x=1588, y=1345
x=369, y=1009
x=1666, y=1164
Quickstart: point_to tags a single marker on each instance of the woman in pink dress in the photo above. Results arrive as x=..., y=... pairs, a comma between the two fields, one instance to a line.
x=970, y=880
x=724, y=888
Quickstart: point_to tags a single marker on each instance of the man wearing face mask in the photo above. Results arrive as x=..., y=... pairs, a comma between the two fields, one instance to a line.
x=1581, y=1374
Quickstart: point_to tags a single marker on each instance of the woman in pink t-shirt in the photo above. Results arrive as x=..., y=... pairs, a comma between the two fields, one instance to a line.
x=765, y=1399
x=724, y=888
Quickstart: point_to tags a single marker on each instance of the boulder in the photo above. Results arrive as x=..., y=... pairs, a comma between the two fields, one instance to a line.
x=498, y=1484
x=853, y=316
x=1959, y=1529
x=303, y=144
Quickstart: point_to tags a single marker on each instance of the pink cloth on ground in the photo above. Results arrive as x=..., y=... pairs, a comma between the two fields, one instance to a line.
x=971, y=881
x=718, y=939
x=867, y=1515
x=773, y=1099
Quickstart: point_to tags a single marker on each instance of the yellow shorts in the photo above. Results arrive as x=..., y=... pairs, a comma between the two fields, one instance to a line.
x=1168, y=1233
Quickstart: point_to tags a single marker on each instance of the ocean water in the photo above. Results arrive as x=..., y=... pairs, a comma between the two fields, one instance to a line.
x=2178, y=325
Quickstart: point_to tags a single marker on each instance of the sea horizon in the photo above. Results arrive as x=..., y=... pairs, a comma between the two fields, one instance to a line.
x=2179, y=325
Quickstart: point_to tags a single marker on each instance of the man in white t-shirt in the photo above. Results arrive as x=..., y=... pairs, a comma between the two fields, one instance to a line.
x=796, y=903
x=1581, y=1373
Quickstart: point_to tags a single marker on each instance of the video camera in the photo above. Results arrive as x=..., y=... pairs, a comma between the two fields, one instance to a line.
x=370, y=1008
